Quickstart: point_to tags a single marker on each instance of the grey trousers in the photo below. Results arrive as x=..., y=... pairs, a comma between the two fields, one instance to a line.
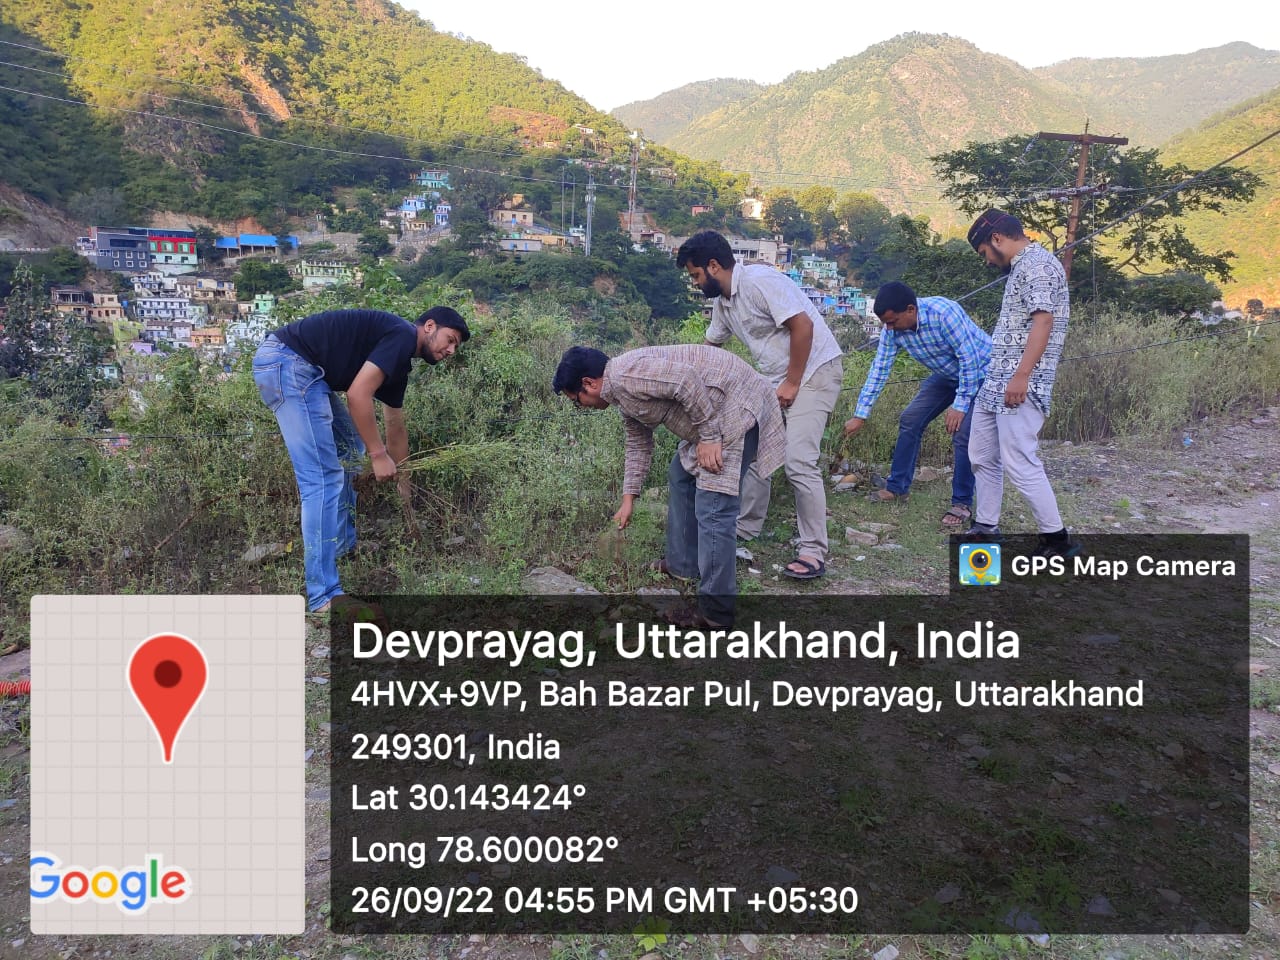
x=1001, y=444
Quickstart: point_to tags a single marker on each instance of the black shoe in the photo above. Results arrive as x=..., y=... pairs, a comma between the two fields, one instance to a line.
x=1063, y=547
x=981, y=533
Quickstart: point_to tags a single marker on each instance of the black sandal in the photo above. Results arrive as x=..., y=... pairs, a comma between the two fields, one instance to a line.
x=813, y=570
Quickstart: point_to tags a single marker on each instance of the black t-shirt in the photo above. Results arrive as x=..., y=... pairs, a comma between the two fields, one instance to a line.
x=340, y=341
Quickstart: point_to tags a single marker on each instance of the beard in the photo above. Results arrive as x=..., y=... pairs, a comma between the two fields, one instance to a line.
x=711, y=288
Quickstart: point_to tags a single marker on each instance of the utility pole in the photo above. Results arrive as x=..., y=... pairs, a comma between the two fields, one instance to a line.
x=591, y=209
x=1084, y=139
x=631, y=193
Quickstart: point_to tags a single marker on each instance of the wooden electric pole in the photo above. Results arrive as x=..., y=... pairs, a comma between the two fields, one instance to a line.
x=1073, y=222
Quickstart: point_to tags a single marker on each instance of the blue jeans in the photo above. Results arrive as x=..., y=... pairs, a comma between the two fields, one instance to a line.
x=326, y=451
x=702, y=535
x=933, y=399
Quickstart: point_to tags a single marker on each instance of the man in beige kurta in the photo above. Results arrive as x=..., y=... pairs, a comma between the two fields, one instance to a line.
x=726, y=416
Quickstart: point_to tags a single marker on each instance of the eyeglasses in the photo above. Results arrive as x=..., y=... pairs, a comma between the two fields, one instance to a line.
x=576, y=402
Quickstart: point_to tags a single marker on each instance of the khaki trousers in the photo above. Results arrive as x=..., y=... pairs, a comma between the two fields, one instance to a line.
x=806, y=423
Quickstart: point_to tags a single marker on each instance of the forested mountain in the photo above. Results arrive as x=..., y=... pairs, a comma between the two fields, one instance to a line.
x=665, y=115
x=361, y=76
x=1252, y=231
x=871, y=122
x=1150, y=99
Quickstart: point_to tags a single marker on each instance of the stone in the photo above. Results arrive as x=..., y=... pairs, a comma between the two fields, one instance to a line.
x=853, y=535
x=1102, y=639
x=1100, y=906
x=750, y=942
x=780, y=876
x=16, y=666
x=1173, y=751
x=877, y=527
x=886, y=953
x=927, y=474
x=887, y=547
x=550, y=581
x=262, y=552
x=948, y=894
x=1169, y=896
x=455, y=541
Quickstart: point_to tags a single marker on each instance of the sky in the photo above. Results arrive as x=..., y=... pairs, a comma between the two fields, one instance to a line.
x=612, y=52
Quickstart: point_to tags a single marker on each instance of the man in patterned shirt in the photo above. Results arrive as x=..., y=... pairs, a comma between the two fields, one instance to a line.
x=726, y=416
x=1014, y=400
x=938, y=333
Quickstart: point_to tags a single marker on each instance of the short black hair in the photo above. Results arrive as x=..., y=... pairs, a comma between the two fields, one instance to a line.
x=994, y=221
x=703, y=247
x=446, y=317
x=578, y=362
x=894, y=295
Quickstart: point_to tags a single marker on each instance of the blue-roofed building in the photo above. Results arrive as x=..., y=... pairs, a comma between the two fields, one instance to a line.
x=253, y=245
x=432, y=179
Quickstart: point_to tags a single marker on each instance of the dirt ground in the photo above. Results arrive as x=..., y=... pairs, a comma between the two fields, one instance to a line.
x=1227, y=480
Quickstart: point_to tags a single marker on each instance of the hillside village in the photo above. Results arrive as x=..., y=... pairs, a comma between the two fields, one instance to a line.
x=166, y=294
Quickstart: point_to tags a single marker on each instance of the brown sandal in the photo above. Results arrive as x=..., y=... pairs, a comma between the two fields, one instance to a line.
x=956, y=516
x=887, y=496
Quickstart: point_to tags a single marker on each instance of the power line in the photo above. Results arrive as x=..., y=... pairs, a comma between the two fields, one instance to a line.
x=215, y=89
x=795, y=178
x=1133, y=213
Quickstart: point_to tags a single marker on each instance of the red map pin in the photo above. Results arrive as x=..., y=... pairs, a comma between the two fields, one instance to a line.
x=167, y=674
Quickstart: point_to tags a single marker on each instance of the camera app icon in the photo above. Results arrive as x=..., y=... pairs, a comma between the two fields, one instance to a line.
x=980, y=564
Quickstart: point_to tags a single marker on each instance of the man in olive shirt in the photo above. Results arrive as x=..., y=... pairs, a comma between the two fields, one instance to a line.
x=300, y=369
x=794, y=348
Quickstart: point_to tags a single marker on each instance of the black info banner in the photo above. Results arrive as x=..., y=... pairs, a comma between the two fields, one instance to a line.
x=1053, y=747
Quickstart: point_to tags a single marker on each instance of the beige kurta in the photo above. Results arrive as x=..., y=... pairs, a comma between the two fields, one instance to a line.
x=699, y=393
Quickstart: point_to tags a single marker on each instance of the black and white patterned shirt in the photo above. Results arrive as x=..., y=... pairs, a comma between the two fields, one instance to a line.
x=1036, y=283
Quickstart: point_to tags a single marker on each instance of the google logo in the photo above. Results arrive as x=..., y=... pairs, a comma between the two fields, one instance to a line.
x=132, y=889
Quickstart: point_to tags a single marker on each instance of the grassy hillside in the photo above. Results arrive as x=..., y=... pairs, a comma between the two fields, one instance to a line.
x=870, y=122
x=667, y=114
x=33, y=131
x=364, y=76
x=1151, y=99
x=1253, y=231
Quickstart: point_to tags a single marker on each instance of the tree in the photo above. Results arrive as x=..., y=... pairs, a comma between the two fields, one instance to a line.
x=373, y=242
x=784, y=216
x=261, y=276
x=863, y=219
x=1018, y=173
x=58, y=354
x=816, y=202
x=664, y=288
x=1177, y=294
x=916, y=255
x=472, y=229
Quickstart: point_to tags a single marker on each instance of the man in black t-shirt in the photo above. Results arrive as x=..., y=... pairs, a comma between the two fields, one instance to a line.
x=300, y=369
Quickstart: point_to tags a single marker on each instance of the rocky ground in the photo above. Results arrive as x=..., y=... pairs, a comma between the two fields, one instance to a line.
x=1227, y=479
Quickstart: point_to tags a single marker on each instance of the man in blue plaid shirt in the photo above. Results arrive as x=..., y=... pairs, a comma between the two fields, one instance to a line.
x=938, y=333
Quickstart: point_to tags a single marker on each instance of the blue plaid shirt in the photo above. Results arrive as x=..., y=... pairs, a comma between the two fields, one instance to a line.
x=945, y=340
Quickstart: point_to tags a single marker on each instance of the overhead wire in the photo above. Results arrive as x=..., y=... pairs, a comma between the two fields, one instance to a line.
x=797, y=178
